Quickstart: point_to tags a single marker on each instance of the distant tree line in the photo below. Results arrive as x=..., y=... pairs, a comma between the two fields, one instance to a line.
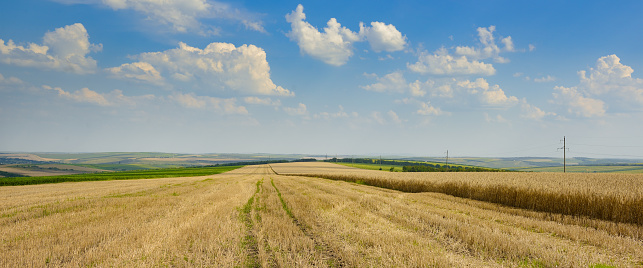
x=262, y=162
x=11, y=161
x=415, y=166
x=10, y=175
x=438, y=168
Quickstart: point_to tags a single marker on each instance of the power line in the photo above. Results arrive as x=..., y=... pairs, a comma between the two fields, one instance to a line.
x=565, y=149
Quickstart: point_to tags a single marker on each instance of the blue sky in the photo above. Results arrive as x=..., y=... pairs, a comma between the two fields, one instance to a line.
x=477, y=78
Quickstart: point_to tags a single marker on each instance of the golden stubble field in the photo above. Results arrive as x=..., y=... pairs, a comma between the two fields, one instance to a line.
x=252, y=217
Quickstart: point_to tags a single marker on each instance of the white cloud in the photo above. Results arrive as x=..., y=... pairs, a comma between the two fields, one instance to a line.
x=610, y=76
x=64, y=49
x=10, y=80
x=226, y=106
x=427, y=109
x=509, y=45
x=495, y=96
x=334, y=46
x=419, y=89
x=300, y=110
x=489, y=95
x=474, y=86
x=442, y=63
x=262, y=101
x=532, y=47
x=532, y=112
x=383, y=37
x=393, y=82
x=339, y=114
x=181, y=15
x=488, y=47
x=87, y=95
x=394, y=117
x=578, y=104
x=609, y=83
x=377, y=117
x=219, y=66
x=254, y=25
x=141, y=71
x=545, y=79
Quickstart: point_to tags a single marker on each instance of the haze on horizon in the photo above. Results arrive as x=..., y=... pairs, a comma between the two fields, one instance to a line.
x=415, y=78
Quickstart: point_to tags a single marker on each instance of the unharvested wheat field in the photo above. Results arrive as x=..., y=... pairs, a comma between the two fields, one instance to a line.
x=252, y=217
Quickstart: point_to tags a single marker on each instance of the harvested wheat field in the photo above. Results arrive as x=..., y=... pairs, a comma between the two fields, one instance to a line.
x=252, y=217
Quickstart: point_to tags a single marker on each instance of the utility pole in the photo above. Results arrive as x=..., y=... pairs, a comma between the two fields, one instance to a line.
x=565, y=149
x=380, y=162
x=447, y=160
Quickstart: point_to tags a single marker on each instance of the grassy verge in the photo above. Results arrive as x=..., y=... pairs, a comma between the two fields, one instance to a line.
x=127, y=175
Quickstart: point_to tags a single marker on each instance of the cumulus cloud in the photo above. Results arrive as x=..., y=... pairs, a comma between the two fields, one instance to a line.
x=419, y=89
x=394, y=117
x=545, y=79
x=488, y=47
x=532, y=112
x=334, y=46
x=226, y=106
x=609, y=82
x=383, y=37
x=490, y=95
x=86, y=95
x=442, y=63
x=396, y=83
x=220, y=66
x=474, y=86
x=262, y=101
x=181, y=15
x=610, y=76
x=64, y=49
x=393, y=82
x=427, y=109
x=577, y=103
x=466, y=60
x=443, y=89
x=10, y=80
x=378, y=118
x=140, y=71
x=300, y=110
x=495, y=96
x=328, y=115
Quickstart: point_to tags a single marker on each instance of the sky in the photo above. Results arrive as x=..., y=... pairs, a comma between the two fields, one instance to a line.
x=415, y=78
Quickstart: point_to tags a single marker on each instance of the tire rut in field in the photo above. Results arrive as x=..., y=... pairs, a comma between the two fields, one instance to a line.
x=268, y=258
x=249, y=241
x=333, y=259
